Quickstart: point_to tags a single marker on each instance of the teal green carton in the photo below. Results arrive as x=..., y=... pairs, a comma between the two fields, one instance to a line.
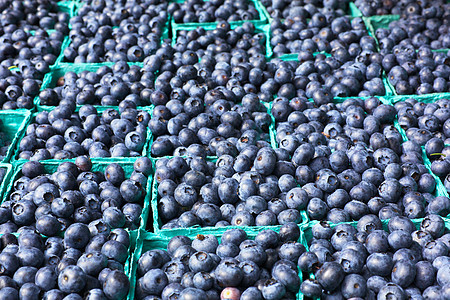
x=128, y=263
x=354, y=10
x=100, y=109
x=157, y=222
x=151, y=241
x=68, y=7
x=387, y=86
x=376, y=22
x=307, y=231
x=272, y=127
x=6, y=171
x=262, y=17
x=431, y=98
x=12, y=127
x=265, y=29
x=51, y=166
x=51, y=79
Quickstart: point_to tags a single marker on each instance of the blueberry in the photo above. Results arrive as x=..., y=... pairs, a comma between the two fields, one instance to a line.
x=330, y=275
x=273, y=289
x=116, y=285
x=403, y=273
x=228, y=191
x=203, y=281
x=391, y=289
x=71, y=279
x=228, y=273
x=153, y=281
x=354, y=285
x=311, y=288
x=251, y=293
x=193, y=293
x=77, y=236
x=9, y=293
x=433, y=224
x=297, y=198
x=185, y=195
x=32, y=169
x=351, y=261
x=399, y=239
x=115, y=174
x=379, y=264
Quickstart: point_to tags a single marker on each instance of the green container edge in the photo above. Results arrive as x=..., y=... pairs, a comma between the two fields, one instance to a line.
x=7, y=178
x=18, y=128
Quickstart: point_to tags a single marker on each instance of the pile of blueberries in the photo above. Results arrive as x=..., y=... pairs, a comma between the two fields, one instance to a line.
x=386, y=7
x=18, y=89
x=322, y=77
x=350, y=161
x=283, y=9
x=84, y=264
x=214, y=130
x=337, y=162
x=199, y=11
x=405, y=8
x=369, y=262
x=32, y=15
x=420, y=24
x=122, y=85
x=319, y=33
x=417, y=72
x=63, y=133
x=75, y=194
x=239, y=267
x=246, y=190
x=90, y=210
x=25, y=59
x=417, y=31
x=27, y=48
x=222, y=39
x=426, y=123
x=407, y=44
x=105, y=31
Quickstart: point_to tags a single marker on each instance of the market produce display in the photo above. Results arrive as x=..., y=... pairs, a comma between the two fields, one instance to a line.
x=224, y=150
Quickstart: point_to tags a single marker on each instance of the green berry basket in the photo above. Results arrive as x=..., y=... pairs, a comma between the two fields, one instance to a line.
x=100, y=109
x=150, y=241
